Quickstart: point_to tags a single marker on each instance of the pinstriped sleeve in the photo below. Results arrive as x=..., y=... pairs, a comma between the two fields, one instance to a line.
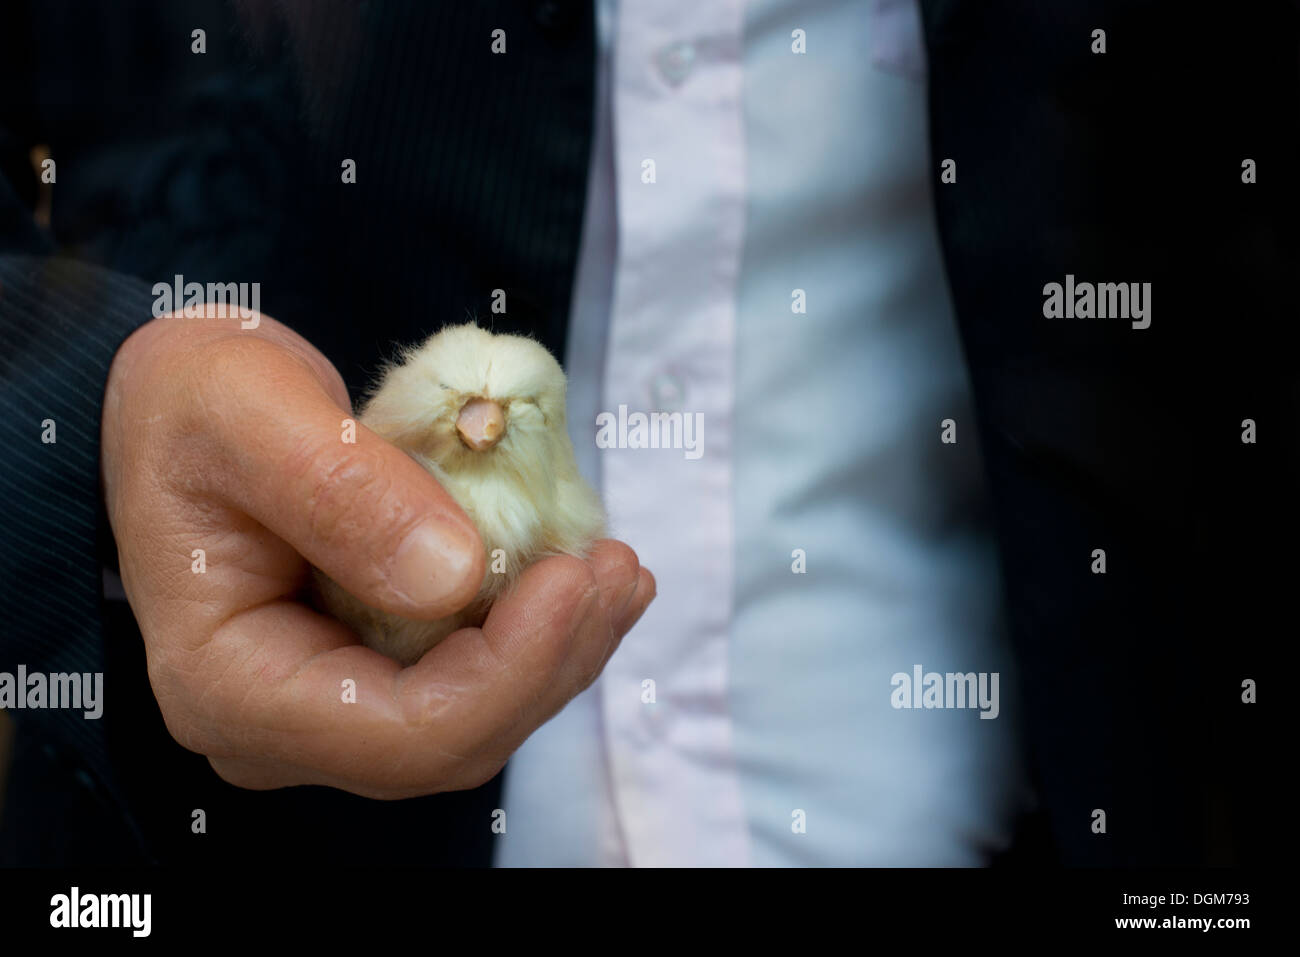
x=61, y=322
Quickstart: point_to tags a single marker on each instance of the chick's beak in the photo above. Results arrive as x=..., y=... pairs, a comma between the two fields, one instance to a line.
x=481, y=424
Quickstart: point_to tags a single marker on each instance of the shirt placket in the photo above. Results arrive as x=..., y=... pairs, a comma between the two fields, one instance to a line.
x=677, y=103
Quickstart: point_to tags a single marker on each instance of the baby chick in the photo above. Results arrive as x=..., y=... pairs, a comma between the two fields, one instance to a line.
x=484, y=414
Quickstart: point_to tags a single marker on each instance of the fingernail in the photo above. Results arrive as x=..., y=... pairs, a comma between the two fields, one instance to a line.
x=585, y=604
x=430, y=565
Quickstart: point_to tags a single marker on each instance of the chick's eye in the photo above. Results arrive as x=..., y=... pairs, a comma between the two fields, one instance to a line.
x=525, y=409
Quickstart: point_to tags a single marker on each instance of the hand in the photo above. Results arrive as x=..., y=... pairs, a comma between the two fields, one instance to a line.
x=230, y=440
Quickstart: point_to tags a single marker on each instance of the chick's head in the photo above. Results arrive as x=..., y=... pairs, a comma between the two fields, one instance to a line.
x=470, y=401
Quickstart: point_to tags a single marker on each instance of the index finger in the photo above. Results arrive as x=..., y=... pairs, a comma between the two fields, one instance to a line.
x=346, y=716
x=281, y=450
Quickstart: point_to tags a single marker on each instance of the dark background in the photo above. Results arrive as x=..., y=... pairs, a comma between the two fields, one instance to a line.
x=1122, y=167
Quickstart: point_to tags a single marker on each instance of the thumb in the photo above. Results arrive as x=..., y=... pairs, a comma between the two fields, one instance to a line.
x=356, y=507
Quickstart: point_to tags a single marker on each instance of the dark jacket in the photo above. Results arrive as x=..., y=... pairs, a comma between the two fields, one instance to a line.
x=471, y=173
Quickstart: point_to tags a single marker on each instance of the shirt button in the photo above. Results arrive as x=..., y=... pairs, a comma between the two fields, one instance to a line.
x=675, y=62
x=667, y=393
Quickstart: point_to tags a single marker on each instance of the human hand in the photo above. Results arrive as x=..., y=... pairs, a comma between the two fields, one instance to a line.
x=230, y=440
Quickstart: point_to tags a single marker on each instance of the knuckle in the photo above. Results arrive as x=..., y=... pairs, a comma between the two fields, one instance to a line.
x=190, y=729
x=173, y=703
x=198, y=709
x=346, y=490
x=219, y=367
x=620, y=558
x=210, y=395
x=594, y=658
x=576, y=574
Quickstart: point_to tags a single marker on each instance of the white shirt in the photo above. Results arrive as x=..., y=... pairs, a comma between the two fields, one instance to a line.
x=747, y=720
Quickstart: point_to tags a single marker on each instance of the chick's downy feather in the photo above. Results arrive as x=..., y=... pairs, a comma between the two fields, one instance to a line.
x=485, y=415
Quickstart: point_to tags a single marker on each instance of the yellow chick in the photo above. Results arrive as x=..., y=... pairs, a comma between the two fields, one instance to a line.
x=484, y=414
